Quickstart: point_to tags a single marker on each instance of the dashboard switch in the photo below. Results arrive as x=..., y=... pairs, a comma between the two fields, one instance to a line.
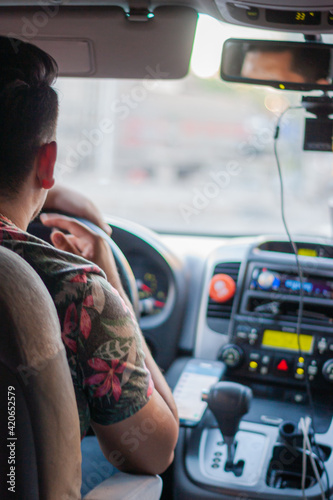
x=300, y=373
x=328, y=370
x=254, y=356
x=265, y=360
x=253, y=336
x=253, y=366
x=282, y=366
x=312, y=370
x=231, y=355
x=222, y=288
x=322, y=345
x=299, y=398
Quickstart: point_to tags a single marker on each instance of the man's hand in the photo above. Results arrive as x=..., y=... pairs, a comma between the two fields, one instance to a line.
x=74, y=203
x=84, y=242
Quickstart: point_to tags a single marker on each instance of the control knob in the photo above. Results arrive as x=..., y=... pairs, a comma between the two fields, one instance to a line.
x=328, y=370
x=231, y=355
x=267, y=280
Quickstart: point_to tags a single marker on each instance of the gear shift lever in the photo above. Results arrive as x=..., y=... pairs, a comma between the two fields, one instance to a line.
x=229, y=402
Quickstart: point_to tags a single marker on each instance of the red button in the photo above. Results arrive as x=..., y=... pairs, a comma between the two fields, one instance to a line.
x=283, y=366
x=222, y=288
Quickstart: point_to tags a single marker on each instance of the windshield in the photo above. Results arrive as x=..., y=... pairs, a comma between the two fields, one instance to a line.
x=193, y=155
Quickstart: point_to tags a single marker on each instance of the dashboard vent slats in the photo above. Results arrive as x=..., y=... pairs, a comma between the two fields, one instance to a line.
x=287, y=310
x=217, y=310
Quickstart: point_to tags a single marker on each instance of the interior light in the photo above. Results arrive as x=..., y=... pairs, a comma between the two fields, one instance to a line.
x=139, y=15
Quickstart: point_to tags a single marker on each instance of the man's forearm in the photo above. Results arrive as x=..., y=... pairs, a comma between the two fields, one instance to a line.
x=160, y=383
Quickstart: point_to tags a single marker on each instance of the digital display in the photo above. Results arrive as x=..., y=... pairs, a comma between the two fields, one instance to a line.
x=198, y=376
x=271, y=280
x=307, y=252
x=287, y=341
x=188, y=393
x=305, y=18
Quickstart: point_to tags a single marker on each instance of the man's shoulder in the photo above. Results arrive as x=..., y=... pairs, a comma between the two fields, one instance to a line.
x=74, y=283
x=51, y=264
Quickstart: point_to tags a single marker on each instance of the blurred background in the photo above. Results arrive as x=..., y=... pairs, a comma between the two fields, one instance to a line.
x=151, y=151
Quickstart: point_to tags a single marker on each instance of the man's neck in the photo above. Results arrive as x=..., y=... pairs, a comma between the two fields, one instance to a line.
x=18, y=213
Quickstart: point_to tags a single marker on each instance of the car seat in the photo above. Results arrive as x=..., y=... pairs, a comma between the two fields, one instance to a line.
x=40, y=455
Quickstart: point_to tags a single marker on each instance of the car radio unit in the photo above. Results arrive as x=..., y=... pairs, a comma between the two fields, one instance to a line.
x=263, y=339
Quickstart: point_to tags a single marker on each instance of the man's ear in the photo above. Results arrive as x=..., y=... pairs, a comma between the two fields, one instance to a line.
x=46, y=159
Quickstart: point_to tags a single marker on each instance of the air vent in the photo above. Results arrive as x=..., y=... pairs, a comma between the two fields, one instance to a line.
x=217, y=311
x=287, y=310
x=307, y=249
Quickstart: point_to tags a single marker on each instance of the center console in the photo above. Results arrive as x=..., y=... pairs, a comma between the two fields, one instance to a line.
x=264, y=344
x=290, y=374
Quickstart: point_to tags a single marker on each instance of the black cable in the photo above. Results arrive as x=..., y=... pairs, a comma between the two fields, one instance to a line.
x=301, y=296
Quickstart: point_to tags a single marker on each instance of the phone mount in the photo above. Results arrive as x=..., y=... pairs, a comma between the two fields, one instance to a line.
x=321, y=106
x=318, y=130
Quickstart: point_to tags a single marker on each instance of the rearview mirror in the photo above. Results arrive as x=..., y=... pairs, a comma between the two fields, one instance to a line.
x=283, y=65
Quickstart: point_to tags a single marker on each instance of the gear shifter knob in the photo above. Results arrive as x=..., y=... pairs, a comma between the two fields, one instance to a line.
x=228, y=402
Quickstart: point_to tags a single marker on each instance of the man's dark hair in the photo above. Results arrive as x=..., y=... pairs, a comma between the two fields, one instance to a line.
x=28, y=109
x=313, y=64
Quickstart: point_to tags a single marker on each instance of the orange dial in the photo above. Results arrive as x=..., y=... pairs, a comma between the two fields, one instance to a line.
x=222, y=288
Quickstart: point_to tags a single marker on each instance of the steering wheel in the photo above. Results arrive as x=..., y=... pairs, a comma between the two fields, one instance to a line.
x=38, y=229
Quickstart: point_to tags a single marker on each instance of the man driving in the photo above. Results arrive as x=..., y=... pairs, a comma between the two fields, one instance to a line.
x=298, y=65
x=118, y=385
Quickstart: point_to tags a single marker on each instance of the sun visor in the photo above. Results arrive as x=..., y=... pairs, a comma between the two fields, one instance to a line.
x=104, y=42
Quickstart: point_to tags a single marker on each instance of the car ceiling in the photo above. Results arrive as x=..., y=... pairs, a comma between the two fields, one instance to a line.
x=116, y=39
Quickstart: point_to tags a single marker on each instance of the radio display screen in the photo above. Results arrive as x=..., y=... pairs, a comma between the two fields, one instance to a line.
x=287, y=341
x=307, y=252
x=275, y=281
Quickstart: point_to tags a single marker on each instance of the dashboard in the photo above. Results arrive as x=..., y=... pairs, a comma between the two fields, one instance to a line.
x=254, y=332
x=237, y=300
x=152, y=284
x=173, y=276
x=161, y=278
